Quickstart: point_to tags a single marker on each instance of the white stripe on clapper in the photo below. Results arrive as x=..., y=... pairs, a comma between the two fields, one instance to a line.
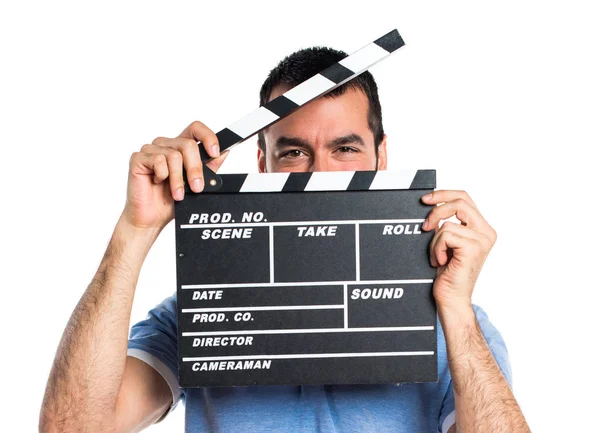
x=361, y=59
x=301, y=283
x=271, y=256
x=329, y=181
x=264, y=182
x=345, y=306
x=310, y=355
x=301, y=223
x=357, y=243
x=309, y=89
x=254, y=121
x=269, y=308
x=393, y=179
x=309, y=331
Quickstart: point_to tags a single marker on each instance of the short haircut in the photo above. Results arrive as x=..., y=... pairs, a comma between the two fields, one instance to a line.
x=303, y=64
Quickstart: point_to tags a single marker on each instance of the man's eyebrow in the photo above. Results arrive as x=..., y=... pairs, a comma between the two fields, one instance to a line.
x=283, y=141
x=347, y=139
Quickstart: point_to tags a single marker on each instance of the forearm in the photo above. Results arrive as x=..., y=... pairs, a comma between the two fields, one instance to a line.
x=86, y=375
x=483, y=399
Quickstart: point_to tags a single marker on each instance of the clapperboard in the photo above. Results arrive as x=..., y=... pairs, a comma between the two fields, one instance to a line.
x=306, y=278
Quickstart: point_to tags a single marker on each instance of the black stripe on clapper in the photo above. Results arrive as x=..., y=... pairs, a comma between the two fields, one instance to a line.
x=390, y=42
x=337, y=73
x=231, y=183
x=296, y=182
x=424, y=179
x=281, y=106
x=227, y=138
x=361, y=180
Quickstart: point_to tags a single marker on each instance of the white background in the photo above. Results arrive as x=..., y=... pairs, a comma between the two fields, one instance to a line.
x=502, y=98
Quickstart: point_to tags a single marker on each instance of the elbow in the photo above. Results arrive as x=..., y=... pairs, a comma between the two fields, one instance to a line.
x=47, y=422
x=51, y=421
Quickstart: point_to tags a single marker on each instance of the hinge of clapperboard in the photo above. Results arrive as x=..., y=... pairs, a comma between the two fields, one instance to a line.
x=325, y=81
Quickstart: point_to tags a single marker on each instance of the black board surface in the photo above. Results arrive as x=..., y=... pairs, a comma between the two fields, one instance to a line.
x=301, y=279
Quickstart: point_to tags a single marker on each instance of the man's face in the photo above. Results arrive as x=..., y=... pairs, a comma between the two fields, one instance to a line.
x=328, y=134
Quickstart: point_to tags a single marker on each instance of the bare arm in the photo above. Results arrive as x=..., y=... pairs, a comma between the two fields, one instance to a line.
x=483, y=400
x=93, y=385
x=85, y=380
x=482, y=397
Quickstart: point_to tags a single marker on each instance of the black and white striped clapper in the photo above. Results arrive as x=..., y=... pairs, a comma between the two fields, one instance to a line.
x=321, y=83
x=306, y=278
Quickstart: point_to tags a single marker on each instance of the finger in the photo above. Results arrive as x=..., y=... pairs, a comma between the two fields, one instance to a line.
x=458, y=229
x=161, y=169
x=446, y=244
x=465, y=213
x=191, y=158
x=174, y=160
x=438, y=248
x=200, y=132
x=149, y=164
x=441, y=196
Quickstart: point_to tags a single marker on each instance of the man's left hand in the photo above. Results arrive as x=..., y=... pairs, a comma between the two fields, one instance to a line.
x=458, y=251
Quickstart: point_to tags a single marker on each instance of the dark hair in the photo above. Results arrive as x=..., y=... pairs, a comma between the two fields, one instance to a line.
x=303, y=64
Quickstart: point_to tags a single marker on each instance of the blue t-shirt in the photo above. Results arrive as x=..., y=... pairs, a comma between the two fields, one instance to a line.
x=400, y=408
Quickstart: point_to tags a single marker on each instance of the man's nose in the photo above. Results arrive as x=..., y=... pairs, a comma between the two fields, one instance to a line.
x=321, y=162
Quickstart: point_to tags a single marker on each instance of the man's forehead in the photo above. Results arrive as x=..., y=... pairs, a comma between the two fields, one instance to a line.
x=341, y=115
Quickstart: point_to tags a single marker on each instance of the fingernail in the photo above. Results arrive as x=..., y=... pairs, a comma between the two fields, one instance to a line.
x=427, y=196
x=215, y=150
x=425, y=224
x=197, y=185
x=179, y=194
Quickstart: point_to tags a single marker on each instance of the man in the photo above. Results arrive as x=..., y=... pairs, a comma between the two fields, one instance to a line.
x=101, y=381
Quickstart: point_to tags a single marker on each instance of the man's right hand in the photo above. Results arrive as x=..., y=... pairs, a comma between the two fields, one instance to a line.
x=115, y=392
x=156, y=175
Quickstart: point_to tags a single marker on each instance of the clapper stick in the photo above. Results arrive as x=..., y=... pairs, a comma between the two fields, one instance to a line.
x=282, y=106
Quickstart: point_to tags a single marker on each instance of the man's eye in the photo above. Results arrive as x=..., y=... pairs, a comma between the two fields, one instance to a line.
x=295, y=153
x=346, y=149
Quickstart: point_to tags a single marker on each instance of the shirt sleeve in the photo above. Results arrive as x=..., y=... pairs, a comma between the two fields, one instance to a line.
x=154, y=341
x=498, y=348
